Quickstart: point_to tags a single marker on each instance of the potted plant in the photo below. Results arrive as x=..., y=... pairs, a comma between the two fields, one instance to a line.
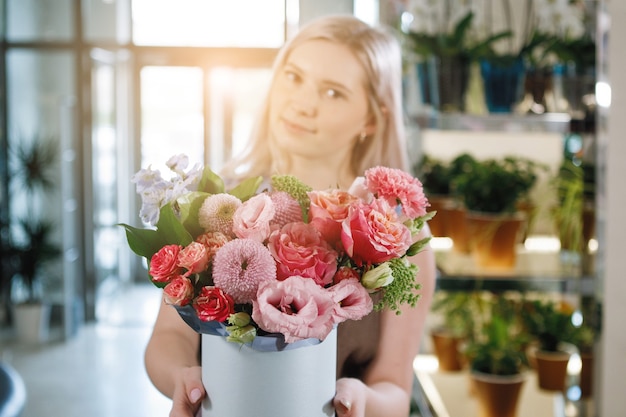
x=460, y=314
x=574, y=211
x=31, y=244
x=497, y=365
x=550, y=324
x=491, y=191
x=438, y=177
x=446, y=55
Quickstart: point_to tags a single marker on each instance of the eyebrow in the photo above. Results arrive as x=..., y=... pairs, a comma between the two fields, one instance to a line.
x=327, y=82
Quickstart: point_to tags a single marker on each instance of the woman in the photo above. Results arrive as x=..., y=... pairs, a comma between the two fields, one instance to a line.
x=332, y=111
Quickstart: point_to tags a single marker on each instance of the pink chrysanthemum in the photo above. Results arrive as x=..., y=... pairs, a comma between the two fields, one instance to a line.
x=240, y=265
x=287, y=209
x=396, y=185
x=216, y=213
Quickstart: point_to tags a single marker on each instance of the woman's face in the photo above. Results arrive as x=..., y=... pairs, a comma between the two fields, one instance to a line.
x=318, y=105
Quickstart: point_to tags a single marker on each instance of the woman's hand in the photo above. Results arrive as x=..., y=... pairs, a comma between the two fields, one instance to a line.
x=350, y=398
x=188, y=392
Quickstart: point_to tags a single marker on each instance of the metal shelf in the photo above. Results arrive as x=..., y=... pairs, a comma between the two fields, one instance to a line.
x=507, y=122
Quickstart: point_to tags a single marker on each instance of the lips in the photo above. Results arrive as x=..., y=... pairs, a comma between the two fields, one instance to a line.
x=296, y=127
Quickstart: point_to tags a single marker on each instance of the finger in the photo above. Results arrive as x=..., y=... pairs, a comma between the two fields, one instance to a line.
x=342, y=406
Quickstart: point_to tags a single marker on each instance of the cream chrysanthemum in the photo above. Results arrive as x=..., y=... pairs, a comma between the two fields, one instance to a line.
x=216, y=213
x=240, y=266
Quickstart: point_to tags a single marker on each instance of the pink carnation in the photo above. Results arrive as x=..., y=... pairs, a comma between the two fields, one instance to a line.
x=299, y=249
x=164, y=264
x=240, y=266
x=352, y=301
x=212, y=241
x=396, y=185
x=216, y=213
x=295, y=307
x=252, y=219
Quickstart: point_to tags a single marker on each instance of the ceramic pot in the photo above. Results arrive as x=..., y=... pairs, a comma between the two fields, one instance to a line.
x=448, y=352
x=551, y=369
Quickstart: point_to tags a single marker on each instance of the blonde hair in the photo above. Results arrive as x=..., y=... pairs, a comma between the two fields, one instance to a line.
x=378, y=52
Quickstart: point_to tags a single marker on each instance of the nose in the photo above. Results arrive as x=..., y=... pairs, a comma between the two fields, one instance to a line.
x=304, y=99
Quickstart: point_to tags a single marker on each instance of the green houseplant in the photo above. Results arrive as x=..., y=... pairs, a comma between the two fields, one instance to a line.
x=446, y=56
x=32, y=246
x=497, y=364
x=491, y=191
x=438, y=177
x=550, y=324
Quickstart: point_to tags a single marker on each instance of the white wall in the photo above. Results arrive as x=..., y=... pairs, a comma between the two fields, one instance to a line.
x=610, y=392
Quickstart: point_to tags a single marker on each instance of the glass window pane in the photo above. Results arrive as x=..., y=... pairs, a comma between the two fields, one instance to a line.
x=106, y=20
x=243, y=89
x=40, y=20
x=241, y=23
x=171, y=115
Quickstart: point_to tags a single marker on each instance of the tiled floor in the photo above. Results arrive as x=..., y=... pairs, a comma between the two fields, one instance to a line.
x=99, y=372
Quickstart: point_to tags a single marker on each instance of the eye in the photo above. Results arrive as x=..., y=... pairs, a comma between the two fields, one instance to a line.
x=332, y=93
x=292, y=76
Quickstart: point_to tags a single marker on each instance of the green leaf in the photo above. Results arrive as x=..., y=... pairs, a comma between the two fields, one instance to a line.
x=144, y=242
x=170, y=230
x=189, y=206
x=247, y=188
x=211, y=182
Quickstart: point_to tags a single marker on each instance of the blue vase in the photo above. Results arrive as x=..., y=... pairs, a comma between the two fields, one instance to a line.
x=503, y=84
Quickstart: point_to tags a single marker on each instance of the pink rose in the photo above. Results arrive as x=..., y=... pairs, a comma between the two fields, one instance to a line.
x=179, y=291
x=352, y=301
x=164, y=264
x=359, y=189
x=295, y=307
x=327, y=210
x=252, y=219
x=299, y=249
x=396, y=185
x=194, y=257
x=372, y=233
x=213, y=304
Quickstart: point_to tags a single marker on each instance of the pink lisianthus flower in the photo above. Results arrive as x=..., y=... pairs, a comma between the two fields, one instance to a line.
x=213, y=304
x=212, y=241
x=352, y=301
x=327, y=210
x=179, y=291
x=240, y=266
x=194, y=258
x=396, y=185
x=296, y=307
x=372, y=233
x=164, y=264
x=252, y=219
x=299, y=249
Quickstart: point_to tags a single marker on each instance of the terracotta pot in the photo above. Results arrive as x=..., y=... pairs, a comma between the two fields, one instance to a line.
x=440, y=204
x=497, y=396
x=456, y=229
x=551, y=369
x=494, y=238
x=447, y=350
x=586, y=375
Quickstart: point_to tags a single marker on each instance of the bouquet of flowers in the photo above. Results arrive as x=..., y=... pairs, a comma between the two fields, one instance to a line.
x=281, y=259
